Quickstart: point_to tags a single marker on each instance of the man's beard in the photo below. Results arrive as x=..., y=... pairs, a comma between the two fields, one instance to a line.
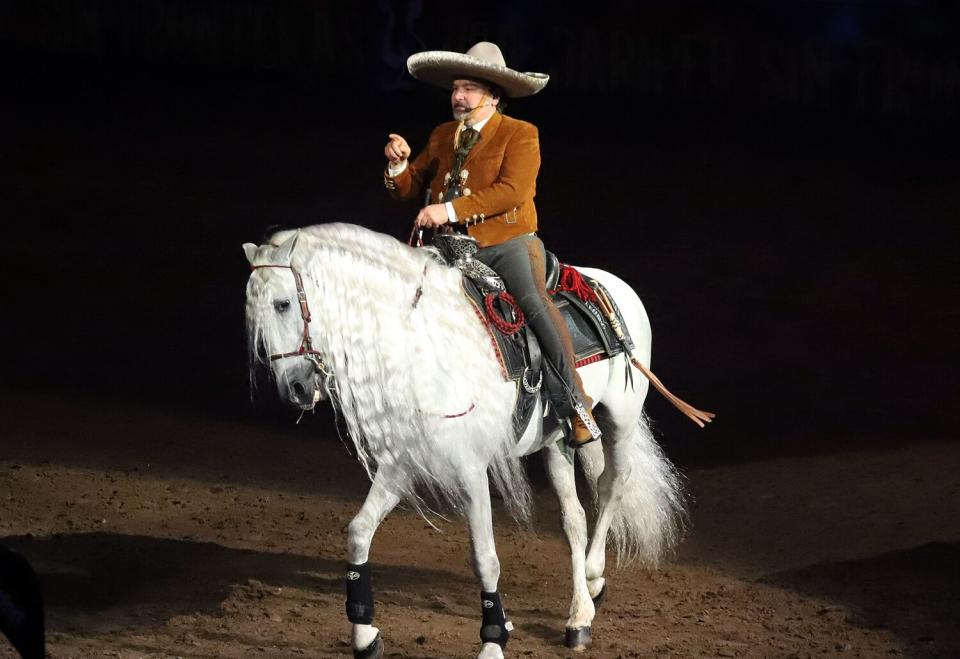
x=461, y=112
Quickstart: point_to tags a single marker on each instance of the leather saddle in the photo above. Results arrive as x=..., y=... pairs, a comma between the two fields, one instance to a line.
x=519, y=352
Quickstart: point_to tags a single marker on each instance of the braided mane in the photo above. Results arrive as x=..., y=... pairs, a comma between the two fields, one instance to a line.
x=405, y=373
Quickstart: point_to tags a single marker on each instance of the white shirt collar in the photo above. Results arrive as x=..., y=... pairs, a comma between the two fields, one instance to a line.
x=480, y=124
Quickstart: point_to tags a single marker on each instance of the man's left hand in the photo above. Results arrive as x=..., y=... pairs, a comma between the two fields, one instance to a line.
x=432, y=216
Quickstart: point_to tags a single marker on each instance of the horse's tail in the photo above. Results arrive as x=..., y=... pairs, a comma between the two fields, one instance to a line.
x=652, y=515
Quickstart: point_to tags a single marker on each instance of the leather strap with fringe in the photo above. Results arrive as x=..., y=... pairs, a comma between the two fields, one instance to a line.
x=699, y=417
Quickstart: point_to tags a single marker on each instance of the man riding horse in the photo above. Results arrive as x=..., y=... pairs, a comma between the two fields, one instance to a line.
x=481, y=171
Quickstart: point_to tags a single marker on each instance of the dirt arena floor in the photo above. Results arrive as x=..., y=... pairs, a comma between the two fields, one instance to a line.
x=209, y=539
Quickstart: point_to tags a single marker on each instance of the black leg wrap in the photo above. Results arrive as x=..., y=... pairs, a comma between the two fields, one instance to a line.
x=578, y=638
x=494, y=627
x=359, y=594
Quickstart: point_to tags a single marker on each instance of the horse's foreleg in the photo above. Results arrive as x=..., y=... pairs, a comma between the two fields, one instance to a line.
x=494, y=630
x=379, y=502
x=574, y=521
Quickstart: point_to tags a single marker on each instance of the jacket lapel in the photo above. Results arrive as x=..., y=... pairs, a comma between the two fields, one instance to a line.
x=486, y=135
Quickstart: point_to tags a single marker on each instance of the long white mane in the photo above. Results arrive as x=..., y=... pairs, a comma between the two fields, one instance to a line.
x=417, y=381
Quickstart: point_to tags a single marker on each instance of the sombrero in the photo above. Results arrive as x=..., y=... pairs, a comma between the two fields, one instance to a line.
x=484, y=61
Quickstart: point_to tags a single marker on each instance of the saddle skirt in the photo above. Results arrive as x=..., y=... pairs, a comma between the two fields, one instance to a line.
x=515, y=344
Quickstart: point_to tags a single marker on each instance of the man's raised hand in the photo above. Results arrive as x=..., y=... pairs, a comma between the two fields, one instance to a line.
x=397, y=149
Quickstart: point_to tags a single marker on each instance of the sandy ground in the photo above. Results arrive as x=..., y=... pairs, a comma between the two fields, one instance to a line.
x=158, y=534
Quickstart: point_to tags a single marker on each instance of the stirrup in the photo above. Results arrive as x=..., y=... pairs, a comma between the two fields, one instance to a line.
x=588, y=422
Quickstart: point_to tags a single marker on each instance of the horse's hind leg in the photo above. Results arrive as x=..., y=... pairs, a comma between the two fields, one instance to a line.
x=494, y=630
x=616, y=470
x=592, y=461
x=574, y=520
x=379, y=502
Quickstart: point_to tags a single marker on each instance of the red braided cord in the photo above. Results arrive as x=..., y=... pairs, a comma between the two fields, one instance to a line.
x=486, y=326
x=499, y=321
x=572, y=280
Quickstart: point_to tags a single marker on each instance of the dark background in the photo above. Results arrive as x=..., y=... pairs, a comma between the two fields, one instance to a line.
x=777, y=180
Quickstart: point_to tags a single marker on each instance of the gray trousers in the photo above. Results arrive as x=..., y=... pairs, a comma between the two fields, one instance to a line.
x=521, y=262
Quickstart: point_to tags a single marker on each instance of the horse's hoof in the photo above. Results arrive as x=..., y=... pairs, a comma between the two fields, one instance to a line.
x=602, y=595
x=578, y=639
x=372, y=651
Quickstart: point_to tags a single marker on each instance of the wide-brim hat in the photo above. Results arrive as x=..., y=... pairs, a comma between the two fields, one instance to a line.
x=483, y=61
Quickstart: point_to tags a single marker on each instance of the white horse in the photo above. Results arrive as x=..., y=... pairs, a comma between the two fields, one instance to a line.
x=388, y=335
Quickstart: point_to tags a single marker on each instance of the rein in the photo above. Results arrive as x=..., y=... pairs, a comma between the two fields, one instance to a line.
x=306, y=343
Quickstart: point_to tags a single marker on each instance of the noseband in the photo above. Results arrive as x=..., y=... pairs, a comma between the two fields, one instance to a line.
x=306, y=343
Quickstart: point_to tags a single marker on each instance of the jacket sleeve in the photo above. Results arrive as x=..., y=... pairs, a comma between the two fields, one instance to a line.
x=516, y=182
x=409, y=184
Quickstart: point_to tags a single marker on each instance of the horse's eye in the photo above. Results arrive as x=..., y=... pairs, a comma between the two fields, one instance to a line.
x=281, y=305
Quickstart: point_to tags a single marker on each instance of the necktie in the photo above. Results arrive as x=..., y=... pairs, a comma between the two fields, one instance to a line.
x=466, y=141
x=468, y=137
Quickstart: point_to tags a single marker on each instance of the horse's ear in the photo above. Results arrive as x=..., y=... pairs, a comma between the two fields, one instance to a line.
x=284, y=253
x=250, y=250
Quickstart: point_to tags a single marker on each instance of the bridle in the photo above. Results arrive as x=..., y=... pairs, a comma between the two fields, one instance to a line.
x=306, y=343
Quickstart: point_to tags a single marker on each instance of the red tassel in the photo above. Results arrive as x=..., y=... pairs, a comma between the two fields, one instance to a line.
x=572, y=280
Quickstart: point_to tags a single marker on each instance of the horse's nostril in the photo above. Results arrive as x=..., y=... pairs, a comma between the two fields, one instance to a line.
x=299, y=390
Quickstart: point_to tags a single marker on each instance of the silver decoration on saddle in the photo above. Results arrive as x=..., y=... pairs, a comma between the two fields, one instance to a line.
x=587, y=420
x=434, y=254
x=458, y=250
x=530, y=388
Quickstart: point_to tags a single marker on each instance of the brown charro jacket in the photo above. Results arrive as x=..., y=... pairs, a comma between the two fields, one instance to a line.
x=497, y=202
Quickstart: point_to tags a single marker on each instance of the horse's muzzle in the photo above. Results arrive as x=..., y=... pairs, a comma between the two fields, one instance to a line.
x=301, y=386
x=303, y=396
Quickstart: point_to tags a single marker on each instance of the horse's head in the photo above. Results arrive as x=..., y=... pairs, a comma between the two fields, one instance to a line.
x=278, y=323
